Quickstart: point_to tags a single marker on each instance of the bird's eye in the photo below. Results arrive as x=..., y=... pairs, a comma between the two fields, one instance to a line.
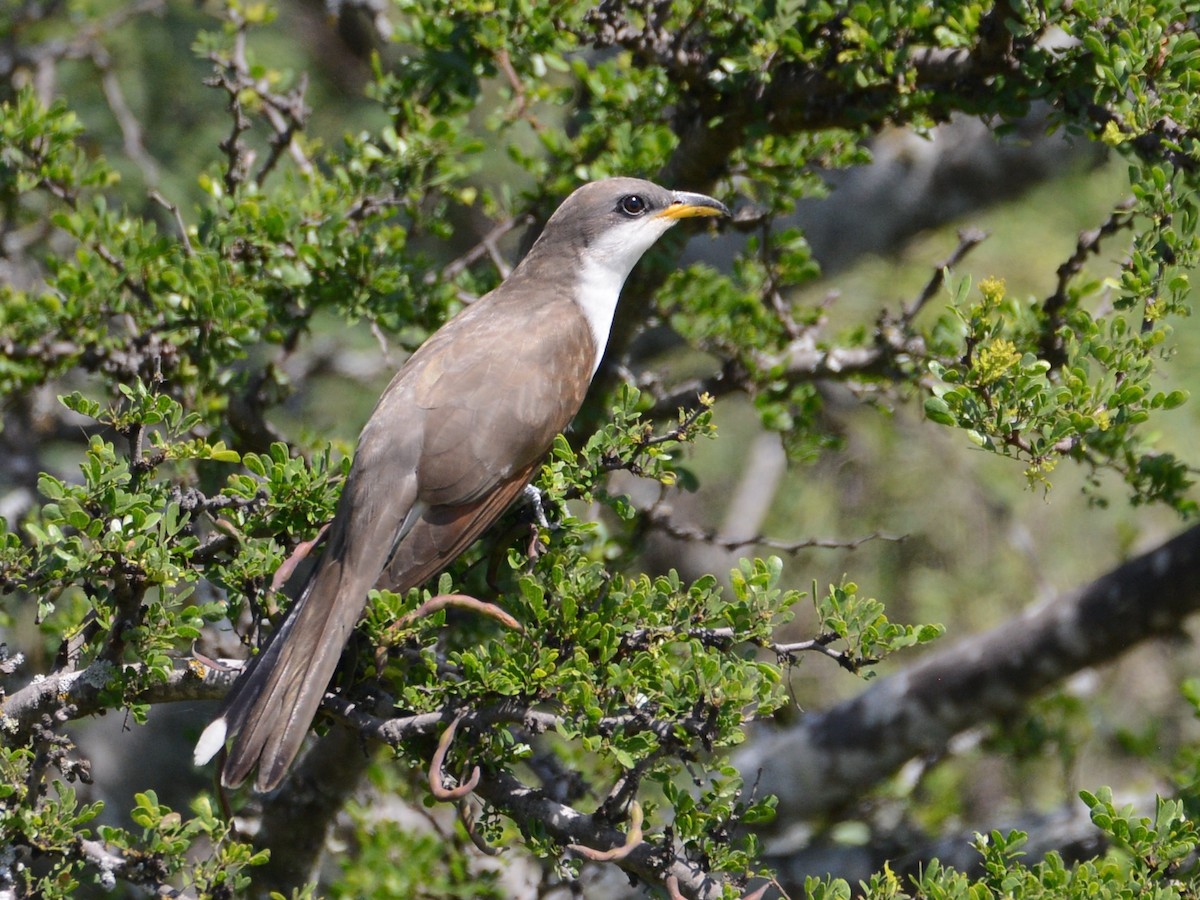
x=633, y=205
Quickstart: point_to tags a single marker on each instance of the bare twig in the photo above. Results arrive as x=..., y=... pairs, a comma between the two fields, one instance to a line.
x=436, y=784
x=659, y=515
x=485, y=247
x=127, y=122
x=170, y=207
x=287, y=115
x=680, y=431
x=632, y=840
x=968, y=240
x=238, y=156
x=504, y=64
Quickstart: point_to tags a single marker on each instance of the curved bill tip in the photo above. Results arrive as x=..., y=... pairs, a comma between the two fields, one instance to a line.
x=687, y=205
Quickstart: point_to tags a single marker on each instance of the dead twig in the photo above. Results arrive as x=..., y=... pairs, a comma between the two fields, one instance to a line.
x=632, y=839
x=462, y=601
x=485, y=247
x=170, y=207
x=466, y=815
x=436, y=785
x=968, y=240
x=659, y=516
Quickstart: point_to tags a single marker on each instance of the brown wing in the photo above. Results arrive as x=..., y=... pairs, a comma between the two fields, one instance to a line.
x=440, y=535
x=452, y=441
x=272, y=704
x=495, y=392
x=493, y=402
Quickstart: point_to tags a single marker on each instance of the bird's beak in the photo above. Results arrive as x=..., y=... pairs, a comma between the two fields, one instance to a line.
x=686, y=206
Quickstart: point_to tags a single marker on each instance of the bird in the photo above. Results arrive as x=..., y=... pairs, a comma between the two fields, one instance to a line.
x=454, y=439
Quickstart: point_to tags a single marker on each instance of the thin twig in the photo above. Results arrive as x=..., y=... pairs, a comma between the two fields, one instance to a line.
x=127, y=122
x=632, y=839
x=504, y=63
x=287, y=115
x=968, y=240
x=680, y=431
x=659, y=516
x=485, y=247
x=436, y=784
x=188, y=250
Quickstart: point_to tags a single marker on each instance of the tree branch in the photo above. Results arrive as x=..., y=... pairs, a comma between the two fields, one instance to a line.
x=112, y=864
x=295, y=817
x=833, y=756
x=659, y=516
x=649, y=861
x=1067, y=830
x=75, y=695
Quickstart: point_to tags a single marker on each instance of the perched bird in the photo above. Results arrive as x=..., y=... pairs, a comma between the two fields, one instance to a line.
x=454, y=439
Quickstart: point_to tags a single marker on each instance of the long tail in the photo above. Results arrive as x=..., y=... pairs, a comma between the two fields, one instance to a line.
x=273, y=702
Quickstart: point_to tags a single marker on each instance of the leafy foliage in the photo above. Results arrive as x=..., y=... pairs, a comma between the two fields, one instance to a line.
x=170, y=329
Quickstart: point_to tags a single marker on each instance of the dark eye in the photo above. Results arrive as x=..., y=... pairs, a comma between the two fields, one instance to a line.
x=632, y=205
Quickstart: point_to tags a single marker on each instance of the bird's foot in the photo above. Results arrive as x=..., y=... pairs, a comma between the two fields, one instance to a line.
x=534, y=498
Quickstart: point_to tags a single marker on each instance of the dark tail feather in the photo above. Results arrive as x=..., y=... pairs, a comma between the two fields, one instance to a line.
x=271, y=705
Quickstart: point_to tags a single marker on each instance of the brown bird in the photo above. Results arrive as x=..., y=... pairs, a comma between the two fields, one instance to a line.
x=454, y=439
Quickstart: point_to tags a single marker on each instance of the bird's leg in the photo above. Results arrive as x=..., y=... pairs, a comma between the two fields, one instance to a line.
x=536, y=502
x=534, y=498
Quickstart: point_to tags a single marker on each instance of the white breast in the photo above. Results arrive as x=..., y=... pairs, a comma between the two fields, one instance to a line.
x=605, y=264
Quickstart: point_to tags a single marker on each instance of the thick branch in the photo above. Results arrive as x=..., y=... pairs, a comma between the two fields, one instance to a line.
x=832, y=757
x=566, y=825
x=113, y=863
x=531, y=809
x=296, y=817
x=75, y=695
x=402, y=728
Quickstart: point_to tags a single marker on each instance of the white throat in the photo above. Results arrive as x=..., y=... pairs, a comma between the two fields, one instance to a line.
x=604, y=266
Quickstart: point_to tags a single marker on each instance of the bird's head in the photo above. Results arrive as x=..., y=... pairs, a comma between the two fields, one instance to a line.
x=612, y=222
x=595, y=238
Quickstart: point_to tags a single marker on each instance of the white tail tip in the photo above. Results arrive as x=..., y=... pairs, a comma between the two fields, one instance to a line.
x=212, y=740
